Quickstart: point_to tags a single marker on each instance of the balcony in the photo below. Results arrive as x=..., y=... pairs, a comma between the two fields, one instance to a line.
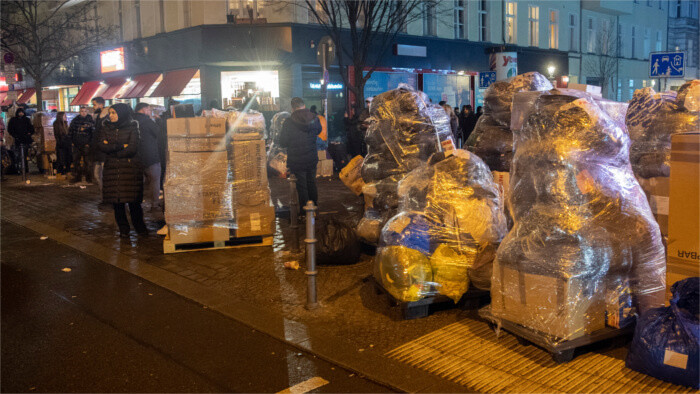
x=609, y=7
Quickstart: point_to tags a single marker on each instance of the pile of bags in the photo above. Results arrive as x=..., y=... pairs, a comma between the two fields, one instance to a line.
x=585, y=250
x=492, y=138
x=277, y=156
x=405, y=130
x=651, y=120
x=447, y=230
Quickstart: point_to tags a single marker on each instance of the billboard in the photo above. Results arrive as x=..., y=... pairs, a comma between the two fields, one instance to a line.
x=112, y=60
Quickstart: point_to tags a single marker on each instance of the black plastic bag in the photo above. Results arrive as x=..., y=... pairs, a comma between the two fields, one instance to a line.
x=337, y=243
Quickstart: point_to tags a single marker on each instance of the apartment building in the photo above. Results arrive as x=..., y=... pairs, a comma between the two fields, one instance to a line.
x=684, y=35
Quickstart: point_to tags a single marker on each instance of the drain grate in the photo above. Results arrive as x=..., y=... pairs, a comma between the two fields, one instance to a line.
x=469, y=353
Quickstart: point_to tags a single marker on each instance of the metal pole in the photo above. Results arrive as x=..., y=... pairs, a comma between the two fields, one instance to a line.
x=325, y=82
x=311, y=297
x=293, y=203
x=24, y=166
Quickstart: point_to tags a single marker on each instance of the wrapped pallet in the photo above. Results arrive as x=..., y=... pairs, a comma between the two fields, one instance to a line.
x=405, y=130
x=492, y=138
x=584, y=250
x=445, y=235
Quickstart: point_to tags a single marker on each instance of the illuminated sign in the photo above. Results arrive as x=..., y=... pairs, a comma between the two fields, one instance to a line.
x=112, y=60
x=331, y=86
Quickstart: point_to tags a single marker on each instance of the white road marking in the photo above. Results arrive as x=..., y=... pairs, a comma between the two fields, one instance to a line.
x=305, y=386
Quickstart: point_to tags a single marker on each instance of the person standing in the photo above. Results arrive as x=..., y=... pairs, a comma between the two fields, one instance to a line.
x=21, y=129
x=81, y=129
x=123, y=173
x=454, y=123
x=98, y=158
x=63, y=143
x=298, y=136
x=148, y=153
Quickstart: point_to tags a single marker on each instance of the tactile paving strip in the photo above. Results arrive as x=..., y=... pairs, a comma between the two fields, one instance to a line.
x=469, y=353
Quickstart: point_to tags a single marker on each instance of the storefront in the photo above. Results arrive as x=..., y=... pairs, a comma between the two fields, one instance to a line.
x=259, y=89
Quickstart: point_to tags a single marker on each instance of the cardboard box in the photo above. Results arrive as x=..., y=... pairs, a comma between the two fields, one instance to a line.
x=197, y=144
x=657, y=192
x=591, y=89
x=197, y=168
x=250, y=199
x=255, y=222
x=322, y=155
x=188, y=203
x=195, y=234
x=196, y=127
x=683, y=250
x=249, y=165
x=552, y=305
x=324, y=169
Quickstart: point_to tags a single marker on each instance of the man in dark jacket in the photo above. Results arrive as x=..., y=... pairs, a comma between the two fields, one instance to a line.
x=148, y=153
x=98, y=158
x=21, y=129
x=81, y=129
x=298, y=136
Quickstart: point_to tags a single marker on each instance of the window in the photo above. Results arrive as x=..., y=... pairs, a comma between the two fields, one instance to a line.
x=661, y=4
x=534, y=19
x=591, y=36
x=483, y=21
x=659, y=38
x=633, y=42
x=573, y=32
x=620, y=40
x=604, y=37
x=631, y=88
x=459, y=19
x=647, y=42
x=511, y=21
x=619, y=90
x=429, y=25
x=649, y=3
x=554, y=29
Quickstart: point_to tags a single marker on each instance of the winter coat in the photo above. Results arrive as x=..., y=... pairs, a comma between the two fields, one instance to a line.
x=467, y=124
x=21, y=129
x=60, y=132
x=148, y=145
x=97, y=154
x=122, y=176
x=299, y=138
x=81, y=130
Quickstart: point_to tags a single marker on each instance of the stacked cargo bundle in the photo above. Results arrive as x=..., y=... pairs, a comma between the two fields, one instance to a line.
x=651, y=120
x=492, y=138
x=585, y=250
x=405, y=131
x=445, y=236
x=277, y=156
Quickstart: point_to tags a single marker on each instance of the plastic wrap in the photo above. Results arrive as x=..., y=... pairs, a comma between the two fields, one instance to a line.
x=450, y=219
x=652, y=119
x=216, y=180
x=405, y=130
x=492, y=139
x=585, y=250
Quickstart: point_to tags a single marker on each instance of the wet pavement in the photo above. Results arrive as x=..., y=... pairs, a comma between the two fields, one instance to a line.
x=71, y=323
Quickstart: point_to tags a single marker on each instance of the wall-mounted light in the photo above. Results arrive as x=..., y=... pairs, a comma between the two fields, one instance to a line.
x=551, y=69
x=653, y=82
x=565, y=78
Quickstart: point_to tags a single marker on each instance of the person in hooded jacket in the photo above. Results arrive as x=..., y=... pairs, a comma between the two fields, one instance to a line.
x=81, y=129
x=63, y=143
x=149, y=153
x=122, y=176
x=21, y=129
x=298, y=136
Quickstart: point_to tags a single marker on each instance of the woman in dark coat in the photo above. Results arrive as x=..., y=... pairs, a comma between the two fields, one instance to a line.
x=123, y=173
x=63, y=143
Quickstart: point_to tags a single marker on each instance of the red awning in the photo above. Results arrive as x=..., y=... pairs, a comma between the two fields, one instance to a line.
x=7, y=101
x=113, y=87
x=26, y=96
x=174, y=82
x=86, y=93
x=140, y=85
x=3, y=96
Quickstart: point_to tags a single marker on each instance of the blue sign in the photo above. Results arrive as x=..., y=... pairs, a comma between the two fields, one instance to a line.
x=667, y=65
x=486, y=78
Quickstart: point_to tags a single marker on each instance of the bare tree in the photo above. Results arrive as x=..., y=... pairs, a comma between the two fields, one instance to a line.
x=44, y=34
x=363, y=27
x=604, y=65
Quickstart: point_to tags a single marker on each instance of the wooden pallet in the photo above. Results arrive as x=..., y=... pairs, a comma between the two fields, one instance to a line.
x=562, y=351
x=232, y=243
x=472, y=299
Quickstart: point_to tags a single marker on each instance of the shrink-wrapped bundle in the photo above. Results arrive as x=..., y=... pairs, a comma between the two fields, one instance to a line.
x=492, y=138
x=449, y=222
x=584, y=250
x=405, y=130
x=277, y=156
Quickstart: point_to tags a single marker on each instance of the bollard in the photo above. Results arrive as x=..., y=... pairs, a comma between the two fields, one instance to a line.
x=293, y=203
x=24, y=166
x=311, y=297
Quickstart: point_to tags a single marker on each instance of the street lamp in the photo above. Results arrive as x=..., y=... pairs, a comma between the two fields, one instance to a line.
x=550, y=70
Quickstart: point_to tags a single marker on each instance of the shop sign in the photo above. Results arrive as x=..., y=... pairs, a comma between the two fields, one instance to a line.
x=506, y=65
x=112, y=60
x=331, y=86
x=486, y=78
